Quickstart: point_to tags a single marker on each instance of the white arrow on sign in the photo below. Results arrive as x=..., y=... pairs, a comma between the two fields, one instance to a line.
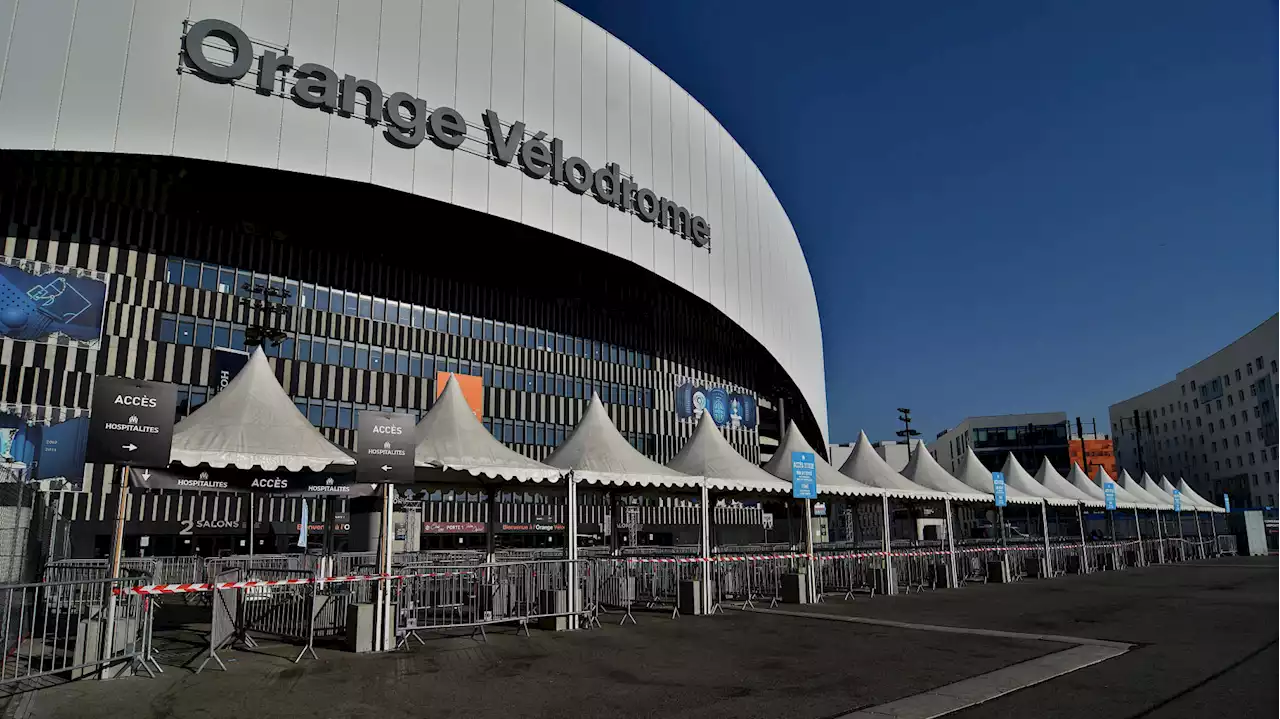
x=386, y=468
x=146, y=474
x=129, y=447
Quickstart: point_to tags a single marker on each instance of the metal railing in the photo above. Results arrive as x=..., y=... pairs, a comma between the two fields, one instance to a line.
x=1227, y=544
x=433, y=597
x=69, y=629
x=847, y=573
x=81, y=570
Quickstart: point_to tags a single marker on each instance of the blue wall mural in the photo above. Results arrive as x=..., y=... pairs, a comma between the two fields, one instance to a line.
x=727, y=409
x=36, y=303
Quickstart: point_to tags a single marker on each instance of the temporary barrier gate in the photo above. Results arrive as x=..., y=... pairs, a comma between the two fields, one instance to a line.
x=846, y=573
x=59, y=629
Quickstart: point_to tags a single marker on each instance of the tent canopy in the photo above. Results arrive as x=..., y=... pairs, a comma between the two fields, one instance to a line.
x=867, y=467
x=1078, y=479
x=1153, y=488
x=1018, y=478
x=598, y=454
x=829, y=480
x=1056, y=483
x=708, y=454
x=252, y=423
x=978, y=477
x=1123, y=499
x=925, y=471
x=1133, y=487
x=451, y=438
x=1199, y=502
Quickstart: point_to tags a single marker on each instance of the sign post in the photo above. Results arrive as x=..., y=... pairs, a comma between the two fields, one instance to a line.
x=131, y=424
x=1109, y=498
x=1177, y=512
x=804, y=485
x=1000, y=492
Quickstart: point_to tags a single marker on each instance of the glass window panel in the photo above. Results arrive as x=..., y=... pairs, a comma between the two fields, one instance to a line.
x=379, y=309
x=307, y=296
x=424, y=317
x=322, y=299
x=364, y=306
x=191, y=274
x=168, y=328
x=344, y=417
x=244, y=282
x=173, y=271
x=540, y=340
x=291, y=292
x=540, y=383
x=406, y=314
x=510, y=334
x=237, y=337
x=362, y=357
x=429, y=366
x=222, y=335
x=540, y=434
x=352, y=304
x=560, y=343
x=451, y=365
x=519, y=432
x=226, y=280
x=402, y=363
x=559, y=386
x=330, y=414
x=454, y=322
x=415, y=364
x=508, y=432
x=348, y=354
x=488, y=330
x=304, y=348
x=198, y=397
x=520, y=337
x=317, y=350
x=186, y=332
x=508, y=379
x=466, y=326
x=333, y=353
x=529, y=382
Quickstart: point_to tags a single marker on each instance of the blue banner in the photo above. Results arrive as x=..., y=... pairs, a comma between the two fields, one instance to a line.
x=1177, y=500
x=804, y=475
x=35, y=305
x=998, y=489
x=728, y=409
x=1109, y=494
x=43, y=447
x=1226, y=502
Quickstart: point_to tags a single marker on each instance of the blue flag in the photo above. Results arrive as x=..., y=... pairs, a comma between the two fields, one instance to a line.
x=302, y=528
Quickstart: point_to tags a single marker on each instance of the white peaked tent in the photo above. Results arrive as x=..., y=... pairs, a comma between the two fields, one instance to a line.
x=1078, y=479
x=597, y=454
x=1199, y=502
x=1188, y=504
x=1154, y=489
x=925, y=471
x=867, y=467
x=978, y=477
x=1133, y=487
x=253, y=423
x=451, y=438
x=1018, y=478
x=1123, y=499
x=830, y=481
x=707, y=454
x=1056, y=483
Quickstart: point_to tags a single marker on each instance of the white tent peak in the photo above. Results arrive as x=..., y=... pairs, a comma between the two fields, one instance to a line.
x=978, y=477
x=1056, y=483
x=597, y=453
x=708, y=454
x=1123, y=498
x=1017, y=478
x=1154, y=489
x=1134, y=488
x=1078, y=479
x=1197, y=501
x=450, y=437
x=252, y=423
x=866, y=466
x=830, y=481
x=925, y=471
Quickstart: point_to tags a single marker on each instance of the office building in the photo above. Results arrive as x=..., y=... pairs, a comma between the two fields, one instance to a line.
x=1028, y=436
x=1214, y=424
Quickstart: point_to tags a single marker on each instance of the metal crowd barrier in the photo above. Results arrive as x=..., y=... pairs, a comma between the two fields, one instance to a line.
x=972, y=559
x=847, y=573
x=526, y=555
x=1067, y=558
x=748, y=578
x=59, y=630
x=761, y=548
x=920, y=568
x=284, y=612
x=432, y=597
x=649, y=583
x=1227, y=544
x=82, y=570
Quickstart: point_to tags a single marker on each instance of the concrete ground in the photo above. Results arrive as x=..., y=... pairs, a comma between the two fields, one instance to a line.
x=1205, y=639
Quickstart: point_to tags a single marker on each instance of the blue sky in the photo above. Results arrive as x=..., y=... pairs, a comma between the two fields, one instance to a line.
x=1006, y=206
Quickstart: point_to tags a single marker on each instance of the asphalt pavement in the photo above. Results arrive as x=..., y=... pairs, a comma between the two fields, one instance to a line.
x=1204, y=636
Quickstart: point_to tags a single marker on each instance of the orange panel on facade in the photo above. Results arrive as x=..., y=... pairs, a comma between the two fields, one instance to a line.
x=1100, y=452
x=472, y=388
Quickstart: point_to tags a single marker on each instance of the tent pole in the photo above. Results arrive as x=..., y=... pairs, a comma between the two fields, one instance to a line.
x=572, y=528
x=382, y=621
x=1044, y=522
x=704, y=541
x=490, y=532
x=1137, y=527
x=1004, y=544
x=1084, y=550
x=891, y=583
x=1159, y=540
x=810, y=588
x=1199, y=535
x=953, y=578
x=251, y=523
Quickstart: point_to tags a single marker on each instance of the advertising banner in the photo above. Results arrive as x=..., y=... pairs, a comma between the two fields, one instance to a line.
x=454, y=527
x=227, y=363
x=1109, y=495
x=38, y=301
x=295, y=484
x=43, y=443
x=472, y=388
x=804, y=475
x=999, y=489
x=727, y=409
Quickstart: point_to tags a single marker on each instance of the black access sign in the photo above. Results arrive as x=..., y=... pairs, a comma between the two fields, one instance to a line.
x=131, y=422
x=386, y=442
